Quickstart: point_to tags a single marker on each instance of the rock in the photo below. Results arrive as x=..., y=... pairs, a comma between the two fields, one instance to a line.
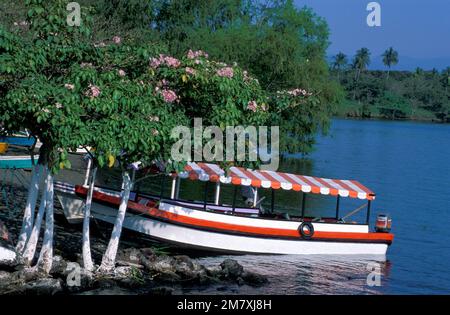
x=122, y=272
x=105, y=283
x=147, y=252
x=28, y=274
x=78, y=282
x=5, y=278
x=45, y=286
x=59, y=267
x=160, y=291
x=214, y=271
x=129, y=255
x=254, y=279
x=231, y=269
x=161, y=264
x=185, y=268
x=167, y=277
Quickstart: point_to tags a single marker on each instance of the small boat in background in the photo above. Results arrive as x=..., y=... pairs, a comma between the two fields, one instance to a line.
x=7, y=252
x=21, y=139
x=229, y=228
x=17, y=161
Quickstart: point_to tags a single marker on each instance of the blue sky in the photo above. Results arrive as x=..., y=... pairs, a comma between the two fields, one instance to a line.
x=418, y=29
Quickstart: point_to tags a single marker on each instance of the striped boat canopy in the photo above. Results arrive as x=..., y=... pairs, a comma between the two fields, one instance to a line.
x=277, y=180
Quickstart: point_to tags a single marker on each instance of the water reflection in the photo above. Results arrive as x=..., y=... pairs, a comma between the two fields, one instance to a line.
x=296, y=274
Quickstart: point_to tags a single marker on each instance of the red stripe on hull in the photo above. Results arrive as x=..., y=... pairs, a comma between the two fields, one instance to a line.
x=98, y=196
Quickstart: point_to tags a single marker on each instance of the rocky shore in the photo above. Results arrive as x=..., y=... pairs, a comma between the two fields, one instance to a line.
x=143, y=267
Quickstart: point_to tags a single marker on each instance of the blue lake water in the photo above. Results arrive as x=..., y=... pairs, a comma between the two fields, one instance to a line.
x=407, y=164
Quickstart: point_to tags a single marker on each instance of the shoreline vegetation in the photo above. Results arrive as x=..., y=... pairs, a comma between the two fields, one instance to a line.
x=390, y=95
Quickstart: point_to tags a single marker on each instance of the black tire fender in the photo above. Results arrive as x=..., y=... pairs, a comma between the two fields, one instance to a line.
x=306, y=230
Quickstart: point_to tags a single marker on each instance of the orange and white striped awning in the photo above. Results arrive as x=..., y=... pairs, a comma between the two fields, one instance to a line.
x=277, y=180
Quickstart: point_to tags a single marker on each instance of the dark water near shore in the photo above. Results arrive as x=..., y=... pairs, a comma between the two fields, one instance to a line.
x=408, y=166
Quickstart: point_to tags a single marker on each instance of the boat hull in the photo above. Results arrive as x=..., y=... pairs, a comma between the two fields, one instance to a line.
x=7, y=255
x=230, y=241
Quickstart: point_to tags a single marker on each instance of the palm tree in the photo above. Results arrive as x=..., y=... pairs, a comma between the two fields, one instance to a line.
x=419, y=71
x=390, y=58
x=361, y=61
x=339, y=62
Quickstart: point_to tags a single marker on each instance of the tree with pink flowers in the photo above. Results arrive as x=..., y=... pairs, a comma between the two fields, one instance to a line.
x=121, y=97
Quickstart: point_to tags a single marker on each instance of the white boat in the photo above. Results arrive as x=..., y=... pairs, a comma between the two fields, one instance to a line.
x=231, y=229
x=7, y=252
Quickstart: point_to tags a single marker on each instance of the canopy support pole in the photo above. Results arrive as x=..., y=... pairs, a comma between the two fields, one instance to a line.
x=163, y=177
x=172, y=191
x=303, y=205
x=205, y=197
x=255, y=197
x=337, y=207
x=217, y=196
x=368, y=212
x=272, y=201
x=88, y=171
x=177, y=190
x=234, y=198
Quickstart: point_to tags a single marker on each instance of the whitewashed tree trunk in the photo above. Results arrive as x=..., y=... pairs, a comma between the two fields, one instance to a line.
x=46, y=256
x=86, y=248
x=28, y=217
x=109, y=258
x=30, y=248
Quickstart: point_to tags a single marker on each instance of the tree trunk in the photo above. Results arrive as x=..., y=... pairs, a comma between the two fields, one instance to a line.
x=28, y=216
x=30, y=248
x=46, y=256
x=86, y=249
x=109, y=258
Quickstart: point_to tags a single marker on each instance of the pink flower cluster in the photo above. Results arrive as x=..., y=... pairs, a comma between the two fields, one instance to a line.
x=190, y=70
x=93, y=91
x=225, y=72
x=153, y=118
x=121, y=73
x=86, y=65
x=297, y=92
x=117, y=40
x=169, y=96
x=195, y=54
x=69, y=86
x=167, y=60
x=252, y=105
x=101, y=44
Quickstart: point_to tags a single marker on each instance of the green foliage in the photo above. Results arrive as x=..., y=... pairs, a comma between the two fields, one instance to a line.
x=282, y=46
x=406, y=95
x=123, y=97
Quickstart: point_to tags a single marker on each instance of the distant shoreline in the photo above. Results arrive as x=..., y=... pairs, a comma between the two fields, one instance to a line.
x=375, y=118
